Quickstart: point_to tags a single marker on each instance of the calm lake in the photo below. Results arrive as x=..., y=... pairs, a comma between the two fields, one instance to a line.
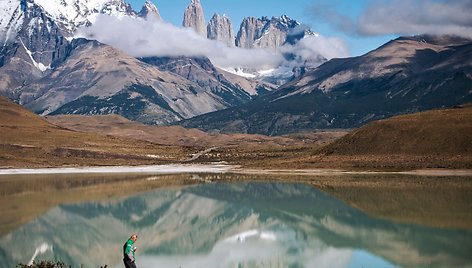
x=192, y=220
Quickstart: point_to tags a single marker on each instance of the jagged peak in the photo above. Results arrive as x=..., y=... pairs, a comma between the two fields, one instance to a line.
x=195, y=18
x=286, y=20
x=149, y=9
x=217, y=17
x=195, y=4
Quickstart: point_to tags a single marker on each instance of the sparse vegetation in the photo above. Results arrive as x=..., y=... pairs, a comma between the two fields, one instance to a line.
x=45, y=264
x=30, y=141
x=433, y=139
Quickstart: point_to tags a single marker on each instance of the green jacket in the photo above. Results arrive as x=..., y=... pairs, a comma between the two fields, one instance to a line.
x=128, y=250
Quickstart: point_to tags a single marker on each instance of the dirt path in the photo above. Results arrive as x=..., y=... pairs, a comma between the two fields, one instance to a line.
x=197, y=155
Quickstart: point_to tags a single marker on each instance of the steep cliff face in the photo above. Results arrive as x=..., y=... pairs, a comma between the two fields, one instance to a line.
x=265, y=33
x=149, y=11
x=250, y=29
x=220, y=28
x=194, y=18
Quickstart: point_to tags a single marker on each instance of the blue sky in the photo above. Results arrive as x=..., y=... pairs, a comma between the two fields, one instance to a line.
x=301, y=10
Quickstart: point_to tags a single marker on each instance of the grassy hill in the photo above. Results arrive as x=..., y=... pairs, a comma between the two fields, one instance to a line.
x=433, y=139
x=436, y=132
x=27, y=140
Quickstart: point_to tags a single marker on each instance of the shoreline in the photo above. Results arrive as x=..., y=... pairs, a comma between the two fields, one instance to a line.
x=143, y=169
x=222, y=168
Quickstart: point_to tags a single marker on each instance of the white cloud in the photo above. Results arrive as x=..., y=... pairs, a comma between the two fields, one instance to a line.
x=403, y=17
x=141, y=38
x=315, y=49
x=418, y=17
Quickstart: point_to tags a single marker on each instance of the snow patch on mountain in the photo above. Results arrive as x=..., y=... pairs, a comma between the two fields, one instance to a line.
x=239, y=72
x=36, y=64
x=11, y=19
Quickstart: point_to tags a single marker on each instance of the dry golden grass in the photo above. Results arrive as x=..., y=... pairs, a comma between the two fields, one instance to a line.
x=436, y=132
x=28, y=140
x=116, y=125
x=432, y=139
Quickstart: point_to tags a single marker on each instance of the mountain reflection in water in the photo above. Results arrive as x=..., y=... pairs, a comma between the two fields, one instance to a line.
x=232, y=225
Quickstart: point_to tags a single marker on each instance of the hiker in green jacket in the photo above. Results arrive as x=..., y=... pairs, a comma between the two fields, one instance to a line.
x=128, y=252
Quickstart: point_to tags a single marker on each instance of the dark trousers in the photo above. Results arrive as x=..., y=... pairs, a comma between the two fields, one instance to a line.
x=129, y=263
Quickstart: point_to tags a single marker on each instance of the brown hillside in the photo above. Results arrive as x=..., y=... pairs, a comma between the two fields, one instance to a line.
x=432, y=139
x=436, y=132
x=13, y=115
x=175, y=135
x=27, y=140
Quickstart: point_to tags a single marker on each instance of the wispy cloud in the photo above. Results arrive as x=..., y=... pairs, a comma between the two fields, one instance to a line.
x=141, y=38
x=314, y=50
x=404, y=17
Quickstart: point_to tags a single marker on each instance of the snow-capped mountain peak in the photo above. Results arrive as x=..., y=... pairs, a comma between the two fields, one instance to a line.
x=68, y=14
x=149, y=10
x=37, y=32
x=10, y=19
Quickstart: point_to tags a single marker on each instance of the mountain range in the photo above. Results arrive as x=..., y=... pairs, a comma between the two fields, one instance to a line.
x=406, y=75
x=45, y=69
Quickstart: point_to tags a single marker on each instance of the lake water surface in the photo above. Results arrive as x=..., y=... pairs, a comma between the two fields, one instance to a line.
x=86, y=220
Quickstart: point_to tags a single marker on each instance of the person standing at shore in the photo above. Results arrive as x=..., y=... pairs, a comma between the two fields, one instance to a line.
x=128, y=252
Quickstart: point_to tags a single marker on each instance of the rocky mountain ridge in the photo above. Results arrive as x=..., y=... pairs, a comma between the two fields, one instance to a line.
x=268, y=33
x=408, y=74
x=265, y=33
x=42, y=68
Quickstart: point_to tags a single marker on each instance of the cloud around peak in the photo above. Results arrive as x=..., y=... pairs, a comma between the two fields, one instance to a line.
x=144, y=38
